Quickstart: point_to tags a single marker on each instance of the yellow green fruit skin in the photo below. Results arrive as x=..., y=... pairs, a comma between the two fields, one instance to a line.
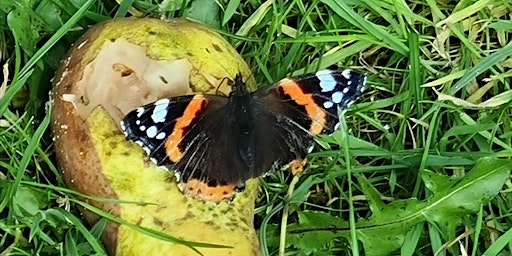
x=177, y=39
x=97, y=160
x=168, y=210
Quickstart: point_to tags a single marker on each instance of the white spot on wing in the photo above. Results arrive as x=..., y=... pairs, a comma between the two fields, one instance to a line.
x=345, y=90
x=323, y=72
x=140, y=111
x=364, y=83
x=160, y=111
x=137, y=122
x=328, y=104
x=151, y=132
x=327, y=81
x=142, y=128
x=337, y=97
x=347, y=73
x=162, y=102
x=160, y=136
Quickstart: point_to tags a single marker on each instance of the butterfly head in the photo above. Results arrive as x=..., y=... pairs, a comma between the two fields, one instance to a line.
x=238, y=86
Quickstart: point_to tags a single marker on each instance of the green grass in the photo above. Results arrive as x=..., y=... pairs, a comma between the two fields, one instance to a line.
x=422, y=168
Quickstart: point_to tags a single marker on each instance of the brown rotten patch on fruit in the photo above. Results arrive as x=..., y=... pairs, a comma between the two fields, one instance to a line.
x=114, y=68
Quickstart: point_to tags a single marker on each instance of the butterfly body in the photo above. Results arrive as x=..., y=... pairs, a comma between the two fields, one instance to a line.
x=215, y=143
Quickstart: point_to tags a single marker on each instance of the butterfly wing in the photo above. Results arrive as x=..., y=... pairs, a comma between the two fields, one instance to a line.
x=190, y=135
x=296, y=109
x=160, y=127
x=199, y=136
x=312, y=100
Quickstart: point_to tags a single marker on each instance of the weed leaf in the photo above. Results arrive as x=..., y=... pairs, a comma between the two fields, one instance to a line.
x=386, y=229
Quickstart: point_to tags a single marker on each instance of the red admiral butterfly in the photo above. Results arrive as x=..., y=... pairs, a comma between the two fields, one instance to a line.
x=215, y=143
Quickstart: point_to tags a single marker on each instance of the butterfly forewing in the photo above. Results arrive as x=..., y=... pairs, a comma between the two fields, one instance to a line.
x=312, y=100
x=153, y=126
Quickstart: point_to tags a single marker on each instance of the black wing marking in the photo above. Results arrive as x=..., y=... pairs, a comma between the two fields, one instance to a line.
x=329, y=90
x=288, y=111
x=213, y=156
x=151, y=125
x=211, y=153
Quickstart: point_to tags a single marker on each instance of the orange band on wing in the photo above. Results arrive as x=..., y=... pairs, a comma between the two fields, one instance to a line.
x=201, y=190
x=171, y=144
x=297, y=165
x=313, y=110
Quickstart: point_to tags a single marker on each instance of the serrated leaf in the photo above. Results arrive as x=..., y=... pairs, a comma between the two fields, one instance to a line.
x=479, y=186
x=372, y=195
x=311, y=242
x=384, y=232
x=26, y=27
x=436, y=182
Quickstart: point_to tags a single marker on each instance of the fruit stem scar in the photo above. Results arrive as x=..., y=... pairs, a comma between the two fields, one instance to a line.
x=318, y=115
x=171, y=144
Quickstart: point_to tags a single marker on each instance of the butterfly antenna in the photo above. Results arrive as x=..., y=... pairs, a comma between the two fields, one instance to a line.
x=224, y=79
x=228, y=78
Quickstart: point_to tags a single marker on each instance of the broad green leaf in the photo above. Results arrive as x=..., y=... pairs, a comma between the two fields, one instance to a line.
x=385, y=231
x=372, y=195
x=206, y=12
x=26, y=26
x=28, y=201
x=437, y=182
x=311, y=242
x=479, y=186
